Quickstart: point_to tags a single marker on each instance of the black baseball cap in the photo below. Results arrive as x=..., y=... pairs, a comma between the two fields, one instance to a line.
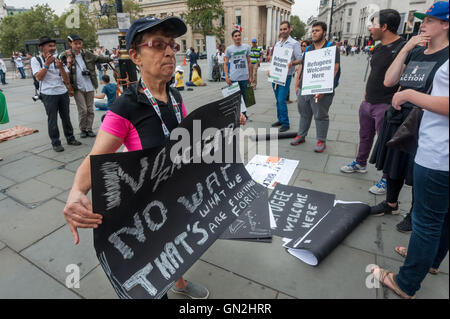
x=147, y=23
x=45, y=39
x=74, y=37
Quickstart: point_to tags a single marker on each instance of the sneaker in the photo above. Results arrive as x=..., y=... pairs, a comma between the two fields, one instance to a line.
x=58, y=148
x=90, y=134
x=298, y=140
x=276, y=124
x=353, y=167
x=74, y=142
x=193, y=291
x=379, y=188
x=83, y=134
x=383, y=208
x=284, y=129
x=320, y=146
x=405, y=226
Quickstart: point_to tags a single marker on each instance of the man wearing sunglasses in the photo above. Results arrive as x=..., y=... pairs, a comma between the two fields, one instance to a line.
x=282, y=92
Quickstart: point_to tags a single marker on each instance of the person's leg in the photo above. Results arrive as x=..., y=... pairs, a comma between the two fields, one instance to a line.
x=255, y=75
x=22, y=73
x=89, y=98
x=320, y=110
x=443, y=244
x=190, y=72
x=428, y=218
x=64, y=113
x=243, y=87
x=306, y=114
x=82, y=111
x=102, y=106
x=190, y=83
x=281, y=102
x=2, y=75
x=366, y=133
x=390, y=205
x=51, y=108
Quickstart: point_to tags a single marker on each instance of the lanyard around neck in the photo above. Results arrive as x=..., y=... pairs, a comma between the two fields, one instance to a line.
x=154, y=103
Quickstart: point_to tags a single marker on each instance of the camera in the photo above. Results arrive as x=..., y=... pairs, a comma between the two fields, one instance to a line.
x=85, y=72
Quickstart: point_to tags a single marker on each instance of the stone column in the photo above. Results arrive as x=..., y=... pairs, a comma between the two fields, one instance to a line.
x=278, y=18
x=269, y=27
x=274, y=26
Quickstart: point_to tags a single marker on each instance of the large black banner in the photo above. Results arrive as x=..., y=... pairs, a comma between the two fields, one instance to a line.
x=160, y=214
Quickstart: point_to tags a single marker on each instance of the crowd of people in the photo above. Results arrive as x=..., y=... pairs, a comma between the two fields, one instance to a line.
x=407, y=78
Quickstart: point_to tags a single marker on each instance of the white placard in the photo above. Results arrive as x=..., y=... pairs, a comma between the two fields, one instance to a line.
x=233, y=88
x=269, y=171
x=123, y=20
x=318, y=71
x=279, y=67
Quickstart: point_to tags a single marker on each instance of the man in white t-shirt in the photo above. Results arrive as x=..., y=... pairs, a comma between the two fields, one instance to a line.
x=19, y=65
x=52, y=74
x=238, y=55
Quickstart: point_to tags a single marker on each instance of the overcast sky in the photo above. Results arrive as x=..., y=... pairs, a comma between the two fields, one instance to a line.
x=302, y=8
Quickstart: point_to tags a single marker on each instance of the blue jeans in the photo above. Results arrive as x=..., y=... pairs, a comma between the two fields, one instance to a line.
x=102, y=106
x=281, y=93
x=243, y=86
x=22, y=73
x=429, y=240
x=2, y=75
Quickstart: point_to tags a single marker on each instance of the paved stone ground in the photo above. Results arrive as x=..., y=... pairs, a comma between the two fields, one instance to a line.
x=36, y=245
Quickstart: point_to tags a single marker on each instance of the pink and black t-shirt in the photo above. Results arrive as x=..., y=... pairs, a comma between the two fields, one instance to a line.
x=132, y=118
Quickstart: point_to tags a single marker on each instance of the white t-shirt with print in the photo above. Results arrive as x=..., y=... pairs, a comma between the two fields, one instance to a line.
x=433, y=150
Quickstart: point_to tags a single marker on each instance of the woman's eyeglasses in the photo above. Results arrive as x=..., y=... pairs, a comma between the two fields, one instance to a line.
x=161, y=45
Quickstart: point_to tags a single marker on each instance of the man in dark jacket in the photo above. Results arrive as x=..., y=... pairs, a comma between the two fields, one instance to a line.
x=193, y=57
x=83, y=78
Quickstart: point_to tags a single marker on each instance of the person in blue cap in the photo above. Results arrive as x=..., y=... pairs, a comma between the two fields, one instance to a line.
x=139, y=119
x=421, y=70
x=255, y=61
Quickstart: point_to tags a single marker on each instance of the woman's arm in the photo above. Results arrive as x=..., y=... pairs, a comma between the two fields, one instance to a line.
x=435, y=104
x=78, y=210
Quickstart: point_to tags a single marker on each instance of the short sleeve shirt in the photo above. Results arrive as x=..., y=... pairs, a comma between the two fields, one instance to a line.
x=296, y=50
x=238, y=62
x=84, y=82
x=52, y=83
x=110, y=92
x=132, y=118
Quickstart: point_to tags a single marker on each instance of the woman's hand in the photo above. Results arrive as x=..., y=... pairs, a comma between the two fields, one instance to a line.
x=420, y=39
x=78, y=214
x=242, y=119
x=400, y=98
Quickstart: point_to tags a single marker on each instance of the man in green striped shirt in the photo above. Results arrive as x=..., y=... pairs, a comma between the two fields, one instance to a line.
x=255, y=60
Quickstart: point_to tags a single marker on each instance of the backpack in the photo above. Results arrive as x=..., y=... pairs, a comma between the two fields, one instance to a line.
x=36, y=82
x=216, y=72
x=338, y=75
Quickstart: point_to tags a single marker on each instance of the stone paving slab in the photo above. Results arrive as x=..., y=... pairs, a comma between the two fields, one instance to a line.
x=70, y=154
x=5, y=183
x=61, y=178
x=223, y=284
x=20, y=279
x=96, y=285
x=33, y=192
x=271, y=265
x=56, y=251
x=2, y=245
x=339, y=185
x=20, y=226
x=28, y=167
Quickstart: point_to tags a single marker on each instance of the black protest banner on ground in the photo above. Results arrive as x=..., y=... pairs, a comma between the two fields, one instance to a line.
x=159, y=215
x=329, y=232
x=296, y=210
x=254, y=222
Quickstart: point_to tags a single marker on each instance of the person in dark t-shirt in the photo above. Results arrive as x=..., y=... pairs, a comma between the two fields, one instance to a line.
x=377, y=97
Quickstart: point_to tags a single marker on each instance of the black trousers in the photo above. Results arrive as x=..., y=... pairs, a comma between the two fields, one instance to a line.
x=55, y=104
x=394, y=186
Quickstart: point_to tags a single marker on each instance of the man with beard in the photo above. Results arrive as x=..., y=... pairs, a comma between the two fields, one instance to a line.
x=318, y=104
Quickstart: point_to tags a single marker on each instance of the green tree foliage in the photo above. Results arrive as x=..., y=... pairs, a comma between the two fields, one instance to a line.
x=203, y=15
x=14, y=30
x=298, y=27
x=86, y=29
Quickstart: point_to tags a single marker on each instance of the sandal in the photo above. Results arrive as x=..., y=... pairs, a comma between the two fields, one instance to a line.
x=434, y=271
x=402, y=251
x=382, y=275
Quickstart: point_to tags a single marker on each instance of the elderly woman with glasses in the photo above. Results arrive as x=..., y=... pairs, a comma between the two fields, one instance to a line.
x=135, y=121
